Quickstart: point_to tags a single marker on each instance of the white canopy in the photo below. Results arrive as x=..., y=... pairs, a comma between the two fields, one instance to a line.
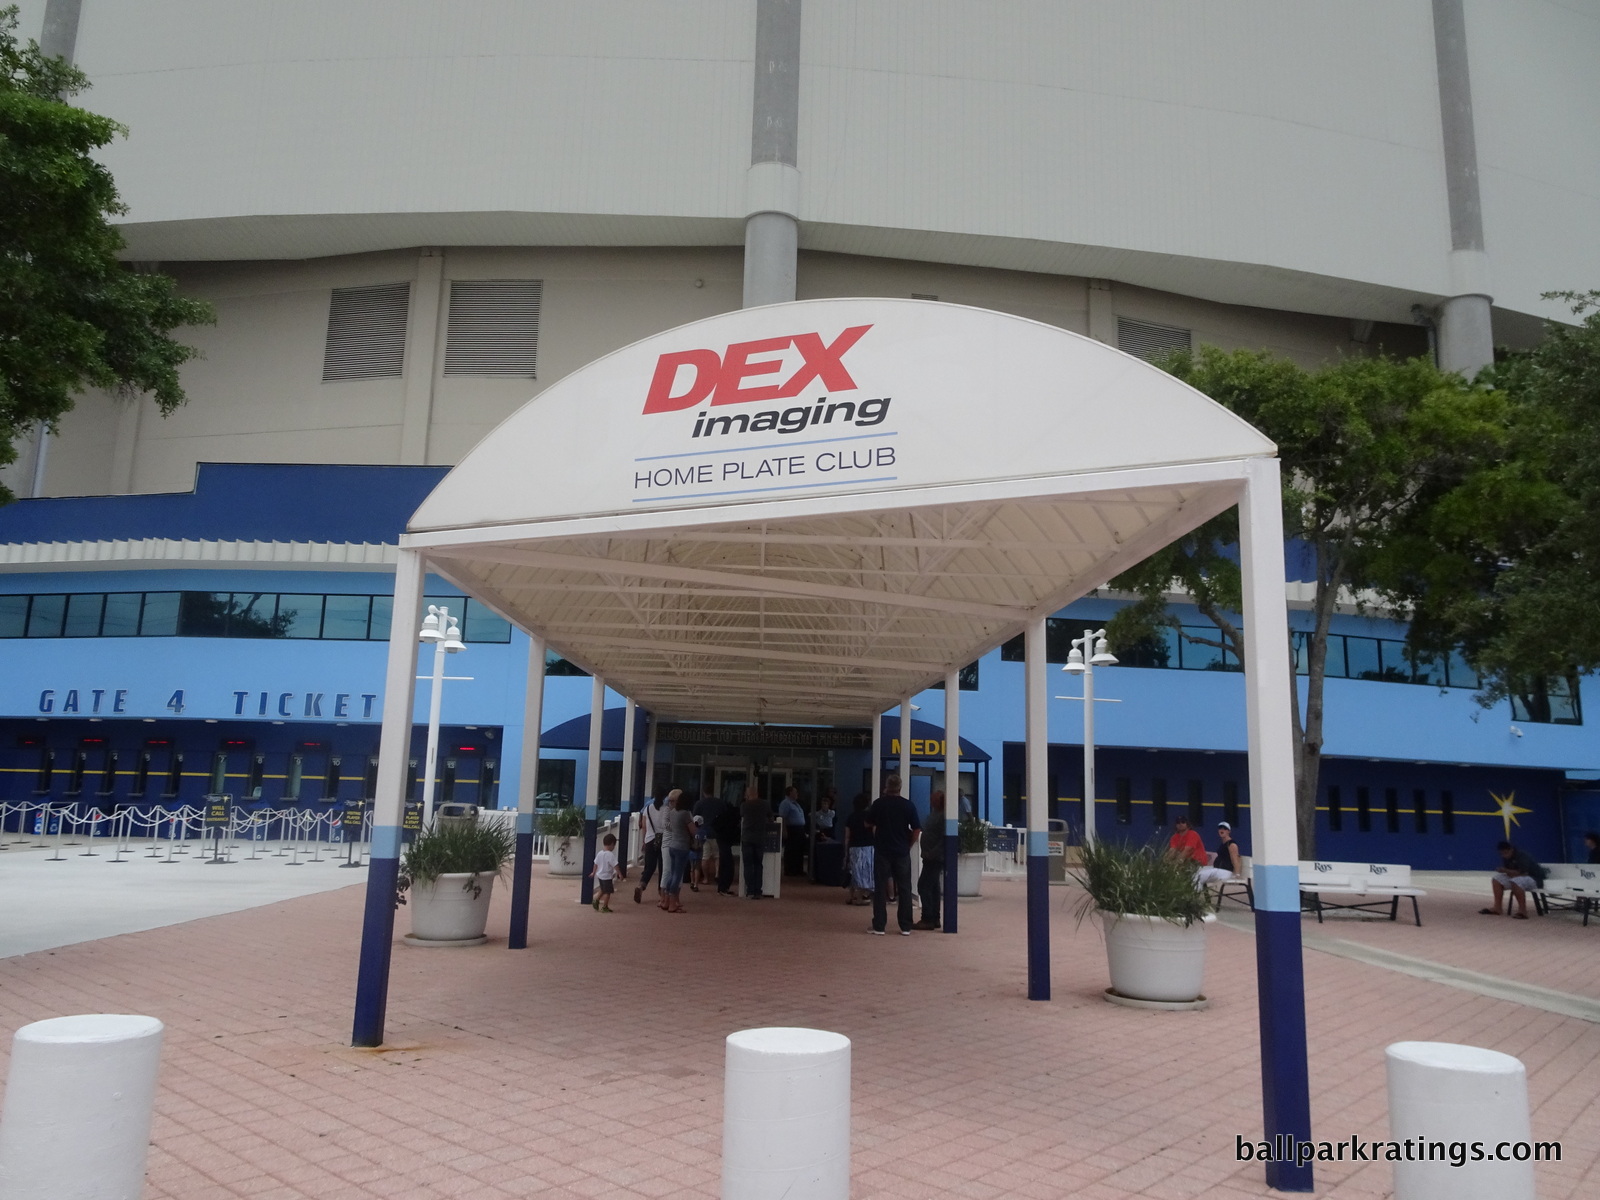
x=805, y=512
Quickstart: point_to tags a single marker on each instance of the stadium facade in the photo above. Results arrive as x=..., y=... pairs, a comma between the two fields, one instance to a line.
x=412, y=217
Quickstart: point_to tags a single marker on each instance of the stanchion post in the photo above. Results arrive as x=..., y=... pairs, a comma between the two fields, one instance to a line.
x=1037, y=765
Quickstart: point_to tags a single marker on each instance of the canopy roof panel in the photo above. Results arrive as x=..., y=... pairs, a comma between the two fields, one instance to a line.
x=803, y=512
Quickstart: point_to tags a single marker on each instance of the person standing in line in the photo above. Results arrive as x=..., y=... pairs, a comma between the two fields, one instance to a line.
x=930, y=881
x=823, y=819
x=895, y=829
x=858, y=853
x=706, y=811
x=678, y=837
x=794, y=832
x=655, y=820
x=755, y=814
x=725, y=826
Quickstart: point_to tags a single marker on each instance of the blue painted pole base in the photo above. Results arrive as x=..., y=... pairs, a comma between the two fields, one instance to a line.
x=521, y=885
x=952, y=874
x=1285, y=1079
x=377, y=943
x=591, y=826
x=1038, y=927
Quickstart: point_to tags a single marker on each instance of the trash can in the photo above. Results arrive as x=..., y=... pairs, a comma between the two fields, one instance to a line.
x=456, y=816
x=1056, y=848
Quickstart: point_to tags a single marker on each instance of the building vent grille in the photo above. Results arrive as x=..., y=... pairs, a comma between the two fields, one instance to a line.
x=1144, y=340
x=366, y=332
x=494, y=328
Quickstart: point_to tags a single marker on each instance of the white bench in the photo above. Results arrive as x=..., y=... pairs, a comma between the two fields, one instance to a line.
x=1367, y=887
x=1569, y=885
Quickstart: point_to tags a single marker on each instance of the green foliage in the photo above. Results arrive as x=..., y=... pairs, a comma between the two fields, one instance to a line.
x=1138, y=880
x=476, y=849
x=564, y=822
x=71, y=315
x=1373, y=449
x=1511, y=563
x=972, y=836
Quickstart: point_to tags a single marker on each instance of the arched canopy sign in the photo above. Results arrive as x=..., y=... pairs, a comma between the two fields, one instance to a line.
x=806, y=513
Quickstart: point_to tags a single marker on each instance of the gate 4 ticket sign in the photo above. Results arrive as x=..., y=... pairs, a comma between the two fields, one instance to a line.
x=827, y=397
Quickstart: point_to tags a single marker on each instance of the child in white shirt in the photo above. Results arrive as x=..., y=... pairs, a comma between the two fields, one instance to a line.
x=606, y=871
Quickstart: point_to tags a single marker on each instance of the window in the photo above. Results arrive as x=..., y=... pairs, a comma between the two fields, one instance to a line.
x=345, y=618
x=219, y=773
x=1197, y=807
x=447, y=782
x=46, y=615
x=1364, y=809
x=1335, y=810
x=493, y=328
x=141, y=775
x=488, y=784
x=174, y=776
x=108, y=777
x=366, y=332
x=1419, y=808
x=1230, y=802
x=1447, y=812
x=1391, y=809
x=83, y=615
x=159, y=617
x=330, y=781
x=80, y=764
x=13, y=616
x=1158, y=801
x=1548, y=701
x=557, y=782
x=258, y=772
x=121, y=617
x=300, y=616
x=1142, y=339
x=370, y=785
x=296, y=777
x=966, y=679
x=1124, y=802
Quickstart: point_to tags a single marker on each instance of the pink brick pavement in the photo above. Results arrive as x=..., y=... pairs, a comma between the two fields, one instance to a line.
x=590, y=1065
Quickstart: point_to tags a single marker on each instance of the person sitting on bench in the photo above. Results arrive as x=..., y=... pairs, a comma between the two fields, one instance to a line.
x=1227, y=865
x=1518, y=873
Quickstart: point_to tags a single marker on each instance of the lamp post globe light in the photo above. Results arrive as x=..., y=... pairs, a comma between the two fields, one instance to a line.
x=1088, y=652
x=441, y=629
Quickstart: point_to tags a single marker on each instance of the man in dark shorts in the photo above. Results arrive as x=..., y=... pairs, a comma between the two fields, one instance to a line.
x=895, y=828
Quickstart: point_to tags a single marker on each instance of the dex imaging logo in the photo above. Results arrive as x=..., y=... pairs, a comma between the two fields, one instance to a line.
x=684, y=378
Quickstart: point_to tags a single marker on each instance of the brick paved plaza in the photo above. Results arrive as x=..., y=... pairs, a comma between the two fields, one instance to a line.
x=591, y=1064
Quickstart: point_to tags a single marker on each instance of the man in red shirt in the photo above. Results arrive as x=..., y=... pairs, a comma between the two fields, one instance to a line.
x=1186, y=843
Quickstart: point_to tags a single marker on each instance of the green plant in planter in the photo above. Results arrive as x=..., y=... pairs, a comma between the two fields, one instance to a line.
x=972, y=836
x=563, y=822
x=1138, y=880
x=476, y=849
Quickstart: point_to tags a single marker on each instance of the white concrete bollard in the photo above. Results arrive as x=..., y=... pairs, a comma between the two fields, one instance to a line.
x=786, y=1115
x=79, y=1097
x=1441, y=1092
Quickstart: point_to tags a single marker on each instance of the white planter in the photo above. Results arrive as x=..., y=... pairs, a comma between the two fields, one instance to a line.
x=447, y=911
x=566, y=856
x=1155, y=960
x=969, y=874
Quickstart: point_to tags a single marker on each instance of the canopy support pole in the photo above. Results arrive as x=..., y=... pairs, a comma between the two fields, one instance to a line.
x=394, y=748
x=1038, y=764
x=625, y=798
x=648, y=793
x=527, y=796
x=877, y=757
x=952, y=797
x=1280, y=974
x=905, y=747
x=591, y=787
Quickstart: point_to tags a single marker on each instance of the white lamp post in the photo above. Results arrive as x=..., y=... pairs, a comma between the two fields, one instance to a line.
x=440, y=628
x=1091, y=647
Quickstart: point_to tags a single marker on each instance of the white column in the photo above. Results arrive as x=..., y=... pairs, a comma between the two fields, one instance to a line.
x=1037, y=751
x=1267, y=680
x=597, y=712
x=625, y=799
x=877, y=756
x=905, y=746
x=952, y=756
x=399, y=697
x=422, y=335
x=532, y=732
x=786, y=1115
x=636, y=844
x=80, y=1092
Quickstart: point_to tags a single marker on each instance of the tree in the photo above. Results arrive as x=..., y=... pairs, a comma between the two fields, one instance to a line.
x=1367, y=445
x=71, y=315
x=1509, y=568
